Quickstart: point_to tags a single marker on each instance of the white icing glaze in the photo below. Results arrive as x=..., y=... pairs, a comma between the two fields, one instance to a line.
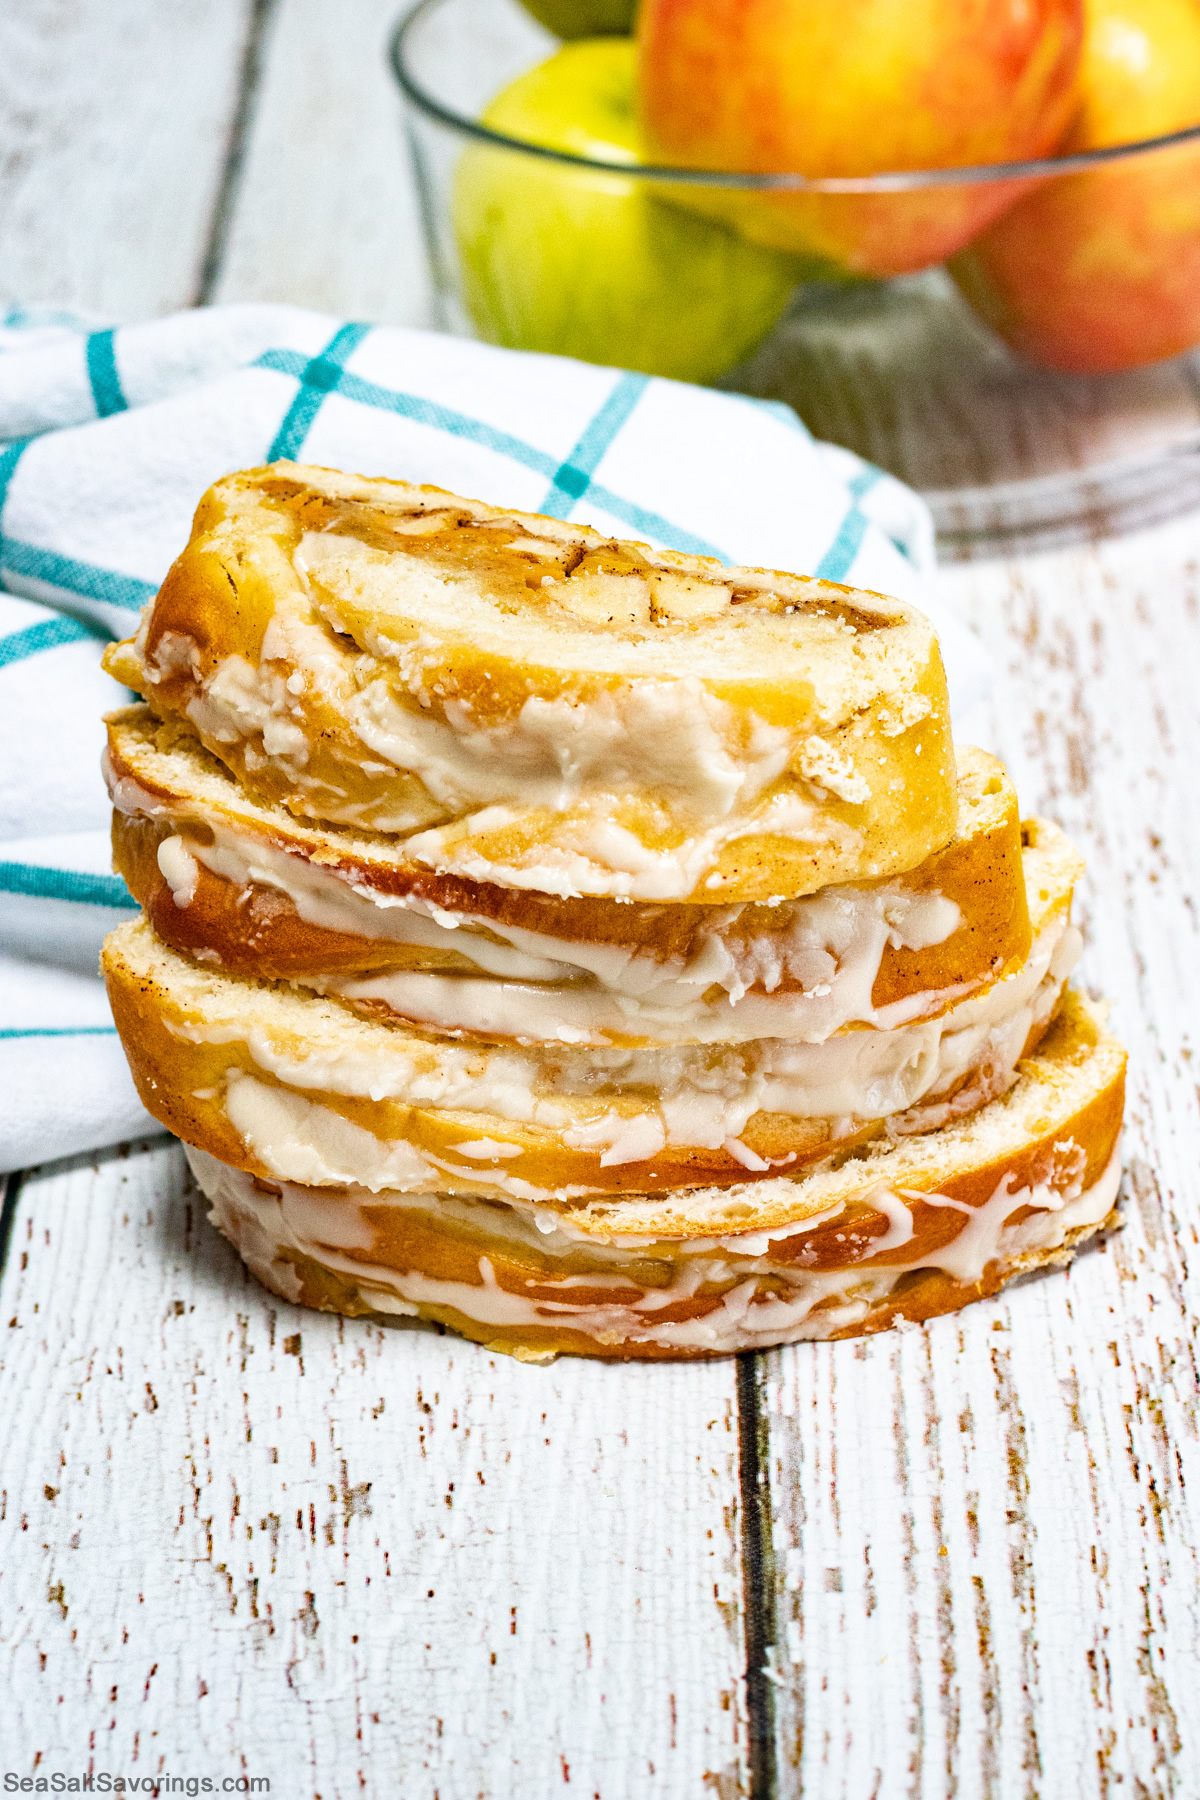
x=724, y=993
x=489, y=1149
x=240, y=701
x=670, y=738
x=180, y=870
x=128, y=795
x=726, y=990
x=745, y=1317
x=898, y=1215
x=279, y=1128
x=708, y=766
x=590, y=852
x=693, y=1096
x=968, y=1254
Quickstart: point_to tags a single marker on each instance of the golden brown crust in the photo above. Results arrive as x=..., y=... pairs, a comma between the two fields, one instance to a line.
x=1023, y=1158
x=254, y=930
x=850, y=684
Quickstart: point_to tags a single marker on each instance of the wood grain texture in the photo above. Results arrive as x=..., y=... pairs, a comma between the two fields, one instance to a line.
x=988, y=1580
x=113, y=127
x=325, y=214
x=239, y=1537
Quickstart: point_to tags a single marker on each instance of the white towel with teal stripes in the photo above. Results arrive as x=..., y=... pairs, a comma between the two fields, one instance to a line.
x=108, y=439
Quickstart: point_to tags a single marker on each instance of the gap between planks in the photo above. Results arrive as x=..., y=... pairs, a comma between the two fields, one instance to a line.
x=114, y=122
x=758, y=1574
x=10, y=1187
x=261, y=13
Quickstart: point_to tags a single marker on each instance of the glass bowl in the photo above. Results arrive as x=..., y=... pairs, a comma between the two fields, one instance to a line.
x=638, y=265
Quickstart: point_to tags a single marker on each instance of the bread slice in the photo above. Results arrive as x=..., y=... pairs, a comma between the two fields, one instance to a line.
x=287, y=1083
x=533, y=704
x=898, y=1232
x=256, y=892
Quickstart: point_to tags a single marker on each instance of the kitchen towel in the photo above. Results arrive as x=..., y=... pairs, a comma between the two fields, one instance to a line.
x=108, y=438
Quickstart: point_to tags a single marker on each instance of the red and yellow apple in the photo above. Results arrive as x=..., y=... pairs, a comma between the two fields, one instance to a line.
x=1101, y=270
x=852, y=88
x=593, y=262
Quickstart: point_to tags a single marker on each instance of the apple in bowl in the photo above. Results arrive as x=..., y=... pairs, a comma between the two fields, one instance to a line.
x=837, y=88
x=1101, y=270
x=595, y=263
x=583, y=18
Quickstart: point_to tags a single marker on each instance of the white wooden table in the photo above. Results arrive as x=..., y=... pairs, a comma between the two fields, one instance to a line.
x=241, y=1540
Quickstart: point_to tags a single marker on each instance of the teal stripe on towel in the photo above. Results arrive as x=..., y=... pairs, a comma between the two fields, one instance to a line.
x=58, y=1031
x=488, y=437
x=47, y=635
x=64, y=884
x=420, y=411
x=102, y=373
x=37, y=318
x=574, y=477
x=10, y=456
x=653, y=524
x=321, y=376
x=836, y=563
x=867, y=478
x=86, y=579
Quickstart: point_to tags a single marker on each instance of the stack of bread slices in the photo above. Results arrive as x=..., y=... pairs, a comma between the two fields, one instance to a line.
x=588, y=947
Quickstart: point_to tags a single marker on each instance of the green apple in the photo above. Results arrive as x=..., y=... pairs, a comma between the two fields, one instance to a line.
x=584, y=18
x=586, y=263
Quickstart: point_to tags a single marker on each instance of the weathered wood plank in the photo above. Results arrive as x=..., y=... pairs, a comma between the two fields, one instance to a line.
x=988, y=1574
x=113, y=128
x=239, y=1537
x=325, y=213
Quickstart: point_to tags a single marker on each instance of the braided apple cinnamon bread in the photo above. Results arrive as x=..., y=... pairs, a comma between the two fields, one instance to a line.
x=532, y=704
